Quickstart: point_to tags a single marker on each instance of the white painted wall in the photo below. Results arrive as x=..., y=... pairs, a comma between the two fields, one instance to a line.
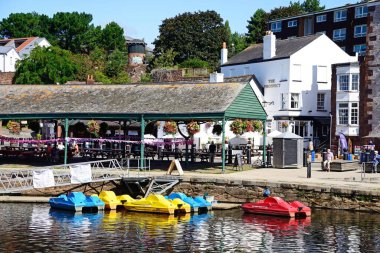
x=347, y=96
x=38, y=42
x=8, y=61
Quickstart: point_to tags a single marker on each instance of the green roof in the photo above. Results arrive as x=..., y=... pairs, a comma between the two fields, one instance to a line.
x=153, y=101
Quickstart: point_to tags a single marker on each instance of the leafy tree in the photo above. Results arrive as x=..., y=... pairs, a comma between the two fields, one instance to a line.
x=239, y=43
x=19, y=25
x=98, y=58
x=312, y=5
x=293, y=9
x=116, y=63
x=46, y=66
x=192, y=35
x=113, y=37
x=90, y=40
x=194, y=63
x=70, y=28
x=84, y=66
x=164, y=59
x=229, y=33
x=257, y=26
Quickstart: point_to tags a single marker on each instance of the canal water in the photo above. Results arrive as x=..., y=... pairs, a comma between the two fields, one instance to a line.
x=37, y=228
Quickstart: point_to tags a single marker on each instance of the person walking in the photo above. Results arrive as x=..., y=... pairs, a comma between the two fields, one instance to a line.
x=375, y=161
x=212, y=150
x=328, y=159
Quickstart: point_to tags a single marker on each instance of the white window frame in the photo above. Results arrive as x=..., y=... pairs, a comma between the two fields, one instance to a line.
x=294, y=100
x=321, y=98
x=321, y=74
x=340, y=34
x=361, y=51
x=276, y=26
x=361, y=11
x=345, y=84
x=321, y=18
x=354, y=113
x=355, y=85
x=360, y=31
x=340, y=15
x=343, y=113
x=292, y=23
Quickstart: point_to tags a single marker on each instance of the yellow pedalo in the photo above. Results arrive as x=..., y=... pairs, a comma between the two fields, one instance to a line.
x=110, y=199
x=181, y=206
x=151, y=204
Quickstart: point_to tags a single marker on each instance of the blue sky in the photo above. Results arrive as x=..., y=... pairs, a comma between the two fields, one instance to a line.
x=141, y=19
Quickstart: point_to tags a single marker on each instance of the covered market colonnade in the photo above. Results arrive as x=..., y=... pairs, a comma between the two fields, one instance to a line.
x=134, y=102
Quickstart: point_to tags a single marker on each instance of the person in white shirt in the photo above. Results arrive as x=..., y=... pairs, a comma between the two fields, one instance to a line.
x=328, y=159
x=60, y=146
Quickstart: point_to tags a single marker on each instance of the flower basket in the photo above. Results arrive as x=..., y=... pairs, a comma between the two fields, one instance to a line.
x=170, y=127
x=248, y=126
x=14, y=127
x=93, y=127
x=217, y=130
x=237, y=126
x=257, y=125
x=284, y=124
x=193, y=127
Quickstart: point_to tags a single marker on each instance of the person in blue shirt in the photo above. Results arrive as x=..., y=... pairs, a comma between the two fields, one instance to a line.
x=376, y=159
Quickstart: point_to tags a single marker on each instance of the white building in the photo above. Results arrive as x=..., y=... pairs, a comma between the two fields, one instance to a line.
x=24, y=46
x=8, y=59
x=346, y=98
x=296, y=78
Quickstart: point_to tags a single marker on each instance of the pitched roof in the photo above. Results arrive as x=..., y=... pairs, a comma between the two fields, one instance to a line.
x=147, y=99
x=284, y=49
x=5, y=49
x=18, y=43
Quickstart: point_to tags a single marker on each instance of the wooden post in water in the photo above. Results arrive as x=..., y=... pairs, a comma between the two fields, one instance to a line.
x=223, y=144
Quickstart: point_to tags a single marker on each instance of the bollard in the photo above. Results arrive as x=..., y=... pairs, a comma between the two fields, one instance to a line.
x=269, y=158
x=305, y=158
x=309, y=170
x=248, y=156
x=229, y=154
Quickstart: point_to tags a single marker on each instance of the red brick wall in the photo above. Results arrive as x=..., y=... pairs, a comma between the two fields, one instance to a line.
x=6, y=77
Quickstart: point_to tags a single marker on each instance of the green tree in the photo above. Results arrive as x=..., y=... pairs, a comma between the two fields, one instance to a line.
x=192, y=35
x=116, y=63
x=164, y=59
x=194, y=63
x=90, y=40
x=46, y=66
x=113, y=37
x=239, y=43
x=312, y=5
x=19, y=25
x=293, y=9
x=257, y=26
x=229, y=33
x=70, y=28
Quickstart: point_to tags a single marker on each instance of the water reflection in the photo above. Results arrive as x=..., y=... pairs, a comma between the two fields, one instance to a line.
x=47, y=230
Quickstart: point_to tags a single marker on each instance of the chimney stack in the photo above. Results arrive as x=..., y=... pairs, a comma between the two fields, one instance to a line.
x=90, y=79
x=224, y=54
x=269, y=45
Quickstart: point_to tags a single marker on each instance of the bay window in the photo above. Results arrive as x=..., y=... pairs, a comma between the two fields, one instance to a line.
x=348, y=113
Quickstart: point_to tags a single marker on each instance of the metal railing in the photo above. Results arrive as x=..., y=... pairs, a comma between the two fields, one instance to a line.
x=21, y=180
x=133, y=167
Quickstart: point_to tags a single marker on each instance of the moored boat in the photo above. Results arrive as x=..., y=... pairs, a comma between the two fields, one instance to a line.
x=77, y=202
x=110, y=199
x=197, y=204
x=277, y=206
x=151, y=204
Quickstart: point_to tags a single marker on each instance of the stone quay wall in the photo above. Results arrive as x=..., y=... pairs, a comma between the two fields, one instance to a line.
x=240, y=191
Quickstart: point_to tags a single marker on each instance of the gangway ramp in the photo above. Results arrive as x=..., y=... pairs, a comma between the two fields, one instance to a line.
x=13, y=181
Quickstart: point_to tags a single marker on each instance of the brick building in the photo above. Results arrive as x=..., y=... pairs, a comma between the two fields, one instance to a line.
x=345, y=25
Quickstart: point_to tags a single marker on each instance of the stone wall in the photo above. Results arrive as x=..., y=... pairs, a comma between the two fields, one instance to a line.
x=6, y=77
x=372, y=68
x=315, y=196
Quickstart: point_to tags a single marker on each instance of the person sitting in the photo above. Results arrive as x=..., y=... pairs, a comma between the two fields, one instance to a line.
x=266, y=192
x=328, y=159
x=375, y=161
